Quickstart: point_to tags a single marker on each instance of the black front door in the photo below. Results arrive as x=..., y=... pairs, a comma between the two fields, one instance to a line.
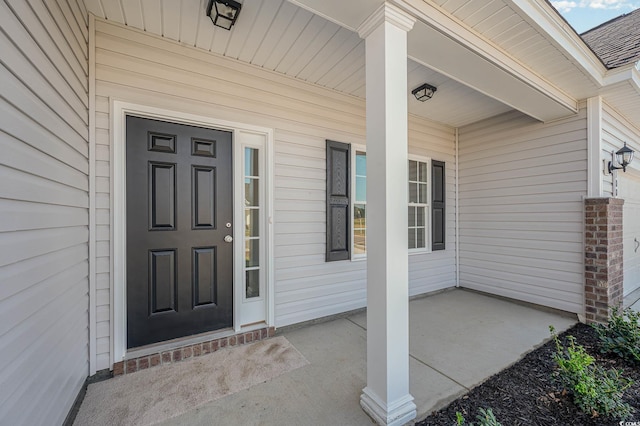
x=179, y=211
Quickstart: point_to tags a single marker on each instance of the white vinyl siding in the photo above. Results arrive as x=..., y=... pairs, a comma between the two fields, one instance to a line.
x=44, y=216
x=138, y=67
x=522, y=185
x=616, y=130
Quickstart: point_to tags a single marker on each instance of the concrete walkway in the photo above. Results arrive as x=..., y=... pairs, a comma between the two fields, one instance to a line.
x=457, y=340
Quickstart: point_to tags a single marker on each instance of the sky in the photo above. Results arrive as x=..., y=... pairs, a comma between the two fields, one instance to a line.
x=586, y=14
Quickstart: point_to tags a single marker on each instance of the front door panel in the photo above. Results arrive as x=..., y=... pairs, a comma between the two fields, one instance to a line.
x=179, y=202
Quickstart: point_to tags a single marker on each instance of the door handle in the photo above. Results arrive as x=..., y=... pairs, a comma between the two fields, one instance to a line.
x=228, y=239
x=635, y=240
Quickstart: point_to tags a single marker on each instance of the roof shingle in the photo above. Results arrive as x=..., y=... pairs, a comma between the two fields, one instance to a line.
x=616, y=42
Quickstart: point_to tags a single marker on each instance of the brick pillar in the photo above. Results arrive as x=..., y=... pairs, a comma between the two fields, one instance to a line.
x=602, y=257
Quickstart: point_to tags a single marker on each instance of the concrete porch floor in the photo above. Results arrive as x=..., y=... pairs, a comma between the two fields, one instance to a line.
x=632, y=300
x=457, y=340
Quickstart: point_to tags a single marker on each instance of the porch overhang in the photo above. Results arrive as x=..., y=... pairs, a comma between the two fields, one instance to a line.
x=441, y=42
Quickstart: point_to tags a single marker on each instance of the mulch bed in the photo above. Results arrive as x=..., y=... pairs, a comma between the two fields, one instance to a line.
x=527, y=394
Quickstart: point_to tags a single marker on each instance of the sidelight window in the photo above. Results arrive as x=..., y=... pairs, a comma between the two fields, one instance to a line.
x=252, y=232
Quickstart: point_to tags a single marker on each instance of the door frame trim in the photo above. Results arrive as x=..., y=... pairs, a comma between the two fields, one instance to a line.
x=119, y=110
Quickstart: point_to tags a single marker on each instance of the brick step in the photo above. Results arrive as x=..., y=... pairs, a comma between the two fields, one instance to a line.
x=190, y=351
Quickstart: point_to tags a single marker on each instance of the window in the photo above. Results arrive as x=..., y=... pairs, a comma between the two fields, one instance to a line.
x=418, y=208
x=252, y=222
x=360, y=205
x=347, y=186
x=418, y=204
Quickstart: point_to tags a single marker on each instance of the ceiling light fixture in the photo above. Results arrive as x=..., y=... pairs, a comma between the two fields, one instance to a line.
x=424, y=92
x=223, y=13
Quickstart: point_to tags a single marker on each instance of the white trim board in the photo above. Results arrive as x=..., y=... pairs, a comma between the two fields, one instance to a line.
x=92, y=199
x=594, y=147
x=119, y=110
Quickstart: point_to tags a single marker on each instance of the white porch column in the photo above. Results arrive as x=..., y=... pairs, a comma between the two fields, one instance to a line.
x=386, y=397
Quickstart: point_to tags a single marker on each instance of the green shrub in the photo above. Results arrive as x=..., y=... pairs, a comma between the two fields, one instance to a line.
x=596, y=391
x=485, y=418
x=621, y=335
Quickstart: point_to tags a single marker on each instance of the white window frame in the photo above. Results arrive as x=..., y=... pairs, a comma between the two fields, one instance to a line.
x=252, y=310
x=427, y=206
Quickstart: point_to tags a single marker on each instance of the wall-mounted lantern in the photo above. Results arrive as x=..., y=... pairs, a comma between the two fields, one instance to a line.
x=623, y=157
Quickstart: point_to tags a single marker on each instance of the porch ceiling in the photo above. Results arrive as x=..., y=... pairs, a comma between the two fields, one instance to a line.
x=305, y=39
x=280, y=36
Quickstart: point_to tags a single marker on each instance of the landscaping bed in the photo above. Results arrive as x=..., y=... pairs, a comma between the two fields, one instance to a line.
x=527, y=393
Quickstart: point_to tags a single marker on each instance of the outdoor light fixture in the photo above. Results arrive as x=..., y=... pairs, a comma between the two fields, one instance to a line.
x=223, y=13
x=624, y=156
x=424, y=92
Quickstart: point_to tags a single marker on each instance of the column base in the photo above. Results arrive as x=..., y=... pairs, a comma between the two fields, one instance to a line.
x=398, y=413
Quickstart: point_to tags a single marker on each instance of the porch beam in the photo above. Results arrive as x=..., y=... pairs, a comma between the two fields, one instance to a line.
x=386, y=397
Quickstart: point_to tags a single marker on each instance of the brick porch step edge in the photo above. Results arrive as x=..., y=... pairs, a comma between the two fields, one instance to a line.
x=186, y=352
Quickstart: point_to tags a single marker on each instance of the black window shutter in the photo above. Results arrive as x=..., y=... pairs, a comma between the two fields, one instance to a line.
x=338, y=193
x=437, y=205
